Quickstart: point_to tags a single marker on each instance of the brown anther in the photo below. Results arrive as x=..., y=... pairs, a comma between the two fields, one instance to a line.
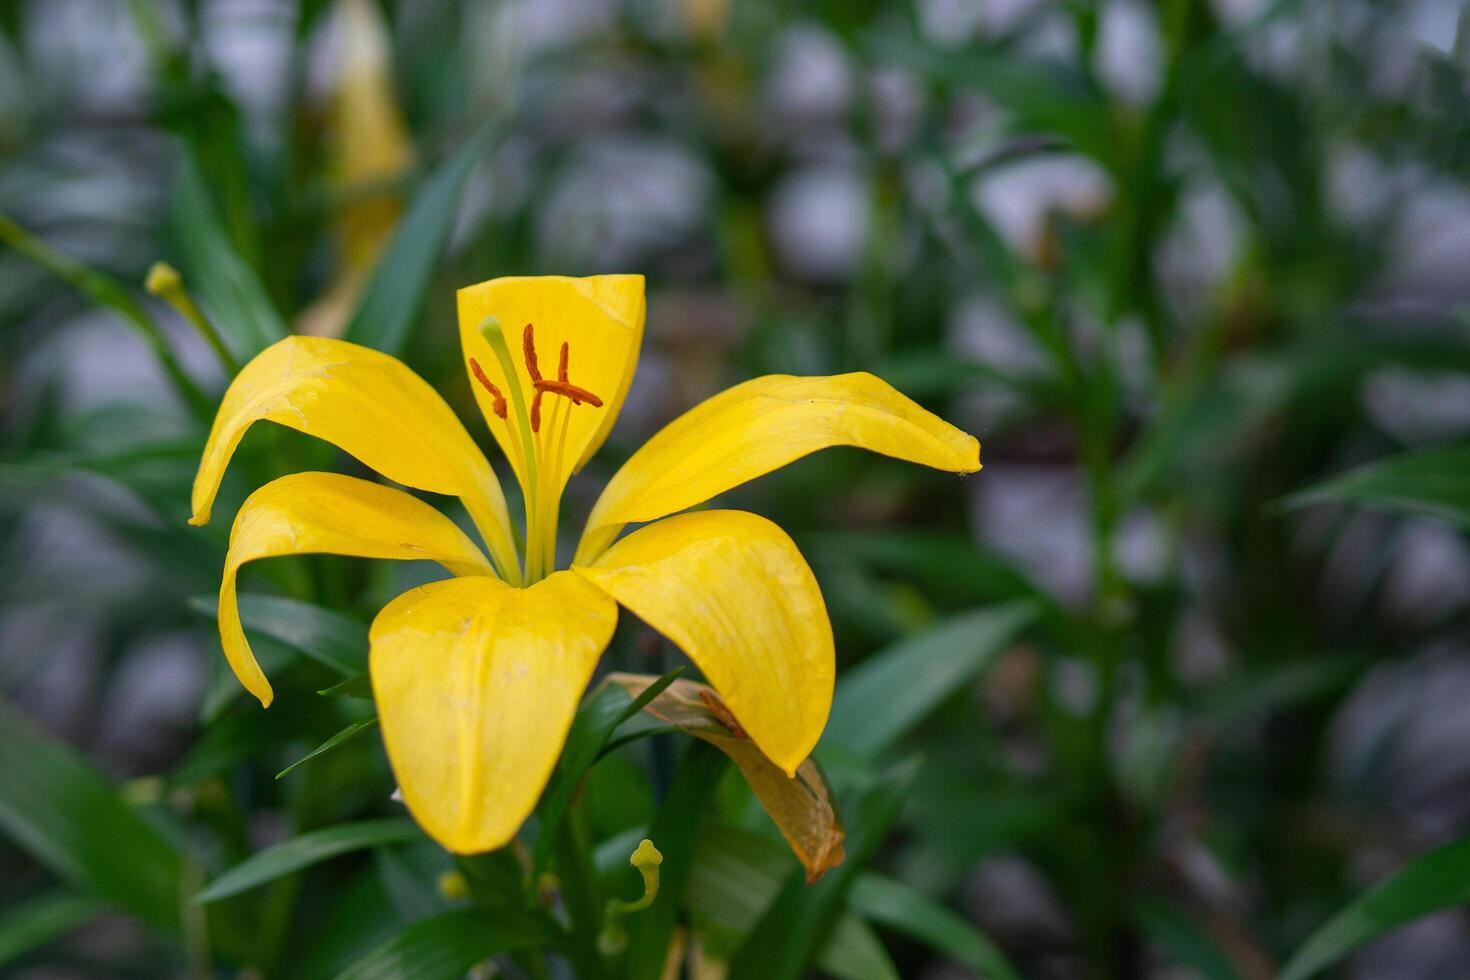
x=562, y=386
x=576, y=394
x=479, y=373
x=722, y=714
x=561, y=369
x=528, y=347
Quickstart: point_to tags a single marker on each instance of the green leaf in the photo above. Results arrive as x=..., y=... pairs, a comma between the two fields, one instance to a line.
x=446, y=946
x=330, y=638
x=675, y=831
x=306, y=850
x=215, y=274
x=886, y=695
x=903, y=908
x=597, y=719
x=736, y=875
x=356, y=728
x=801, y=918
x=62, y=813
x=1435, y=482
x=395, y=294
x=356, y=686
x=1183, y=941
x=1437, y=880
x=1041, y=93
x=108, y=292
x=38, y=921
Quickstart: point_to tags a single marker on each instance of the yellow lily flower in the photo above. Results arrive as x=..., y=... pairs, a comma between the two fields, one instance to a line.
x=477, y=677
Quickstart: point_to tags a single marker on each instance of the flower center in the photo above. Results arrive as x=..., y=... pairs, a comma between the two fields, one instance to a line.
x=539, y=455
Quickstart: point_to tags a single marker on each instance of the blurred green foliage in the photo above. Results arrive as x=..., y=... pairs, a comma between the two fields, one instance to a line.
x=1168, y=685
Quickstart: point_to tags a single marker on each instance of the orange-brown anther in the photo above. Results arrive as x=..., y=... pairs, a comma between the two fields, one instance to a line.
x=528, y=346
x=561, y=369
x=576, y=394
x=562, y=386
x=479, y=373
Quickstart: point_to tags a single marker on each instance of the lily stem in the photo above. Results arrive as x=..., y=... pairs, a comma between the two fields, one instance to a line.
x=106, y=291
x=580, y=894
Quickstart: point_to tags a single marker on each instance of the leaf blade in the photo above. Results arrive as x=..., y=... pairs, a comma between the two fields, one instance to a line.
x=925, y=668
x=1434, y=482
x=445, y=946
x=308, y=849
x=224, y=284
x=66, y=816
x=1431, y=882
x=42, y=919
x=894, y=904
x=395, y=294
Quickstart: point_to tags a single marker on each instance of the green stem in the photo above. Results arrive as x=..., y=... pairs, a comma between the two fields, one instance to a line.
x=165, y=282
x=106, y=291
x=579, y=891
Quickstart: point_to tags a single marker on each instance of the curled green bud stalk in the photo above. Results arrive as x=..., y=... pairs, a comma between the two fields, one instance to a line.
x=165, y=282
x=646, y=858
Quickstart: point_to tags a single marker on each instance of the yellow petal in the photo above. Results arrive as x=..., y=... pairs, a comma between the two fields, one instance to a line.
x=476, y=685
x=762, y=425
x=733, y=592
x=369, y=405
x=600, y=318
x=327, y=513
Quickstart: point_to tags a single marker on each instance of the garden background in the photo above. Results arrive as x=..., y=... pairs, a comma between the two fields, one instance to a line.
x=1175, y=686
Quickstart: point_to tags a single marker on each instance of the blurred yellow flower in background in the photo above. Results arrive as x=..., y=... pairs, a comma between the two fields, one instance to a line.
x=368, y=146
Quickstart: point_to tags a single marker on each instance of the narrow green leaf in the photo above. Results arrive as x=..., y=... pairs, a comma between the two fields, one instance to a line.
x=106, y=291
x=799, y=921
x=66, y=816
x=886, y=695
x=307, y=850
x=675, y=831
x=395, y=294
x=330, y=638
x=1040, y=92
x=737, y=874
x=905, y=909
x=597, y=719
x=1182, y=940
x=39, y=920
x=1437, y=880
x=446, y=946
x=356, y=728
x=215, y=274
x=1435, y=482
x=356, y=686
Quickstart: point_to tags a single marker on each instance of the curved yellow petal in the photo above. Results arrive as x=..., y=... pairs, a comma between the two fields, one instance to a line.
x=600, y=318
x=476, y=684
x=731, y=590
x=327, y=513
x=759, y=426
x=369, y=405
